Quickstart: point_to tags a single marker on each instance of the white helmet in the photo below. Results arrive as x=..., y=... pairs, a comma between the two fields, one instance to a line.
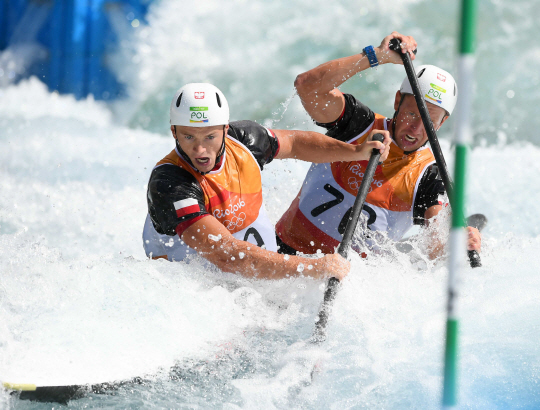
x=438, y=87
x=199, y=105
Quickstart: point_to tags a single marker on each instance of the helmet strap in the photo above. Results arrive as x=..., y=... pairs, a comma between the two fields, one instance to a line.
x=395, y=116
x=185, y=156
x=221, y=150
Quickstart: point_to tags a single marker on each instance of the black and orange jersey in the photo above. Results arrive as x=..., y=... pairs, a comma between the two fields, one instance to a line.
x=403, y=187
x=356, y=118
x=178, y=195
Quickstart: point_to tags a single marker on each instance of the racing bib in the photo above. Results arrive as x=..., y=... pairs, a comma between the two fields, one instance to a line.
x=318, y=217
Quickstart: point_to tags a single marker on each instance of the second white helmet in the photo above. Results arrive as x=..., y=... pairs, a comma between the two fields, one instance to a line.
x=199, y=105
x=438, y=87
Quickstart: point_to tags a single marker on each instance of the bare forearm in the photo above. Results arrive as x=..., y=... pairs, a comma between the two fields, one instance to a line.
x=327, y=76
x=212, y=241
x=436, y=248
x=313, y=147
x=317, y=88
x=436, y=245
x=249, y=260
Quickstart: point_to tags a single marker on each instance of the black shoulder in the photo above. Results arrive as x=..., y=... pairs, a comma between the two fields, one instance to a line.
x=261, y=141
x=168, y=185
x=355, y=119
x=430, y=189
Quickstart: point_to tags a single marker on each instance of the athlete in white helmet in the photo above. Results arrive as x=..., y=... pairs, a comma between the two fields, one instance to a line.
x=205, y=196
x=407, y=189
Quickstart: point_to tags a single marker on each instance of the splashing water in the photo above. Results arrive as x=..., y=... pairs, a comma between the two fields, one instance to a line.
x=79, y=303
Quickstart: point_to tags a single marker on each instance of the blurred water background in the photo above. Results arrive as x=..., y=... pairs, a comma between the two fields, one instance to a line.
x=79, y=303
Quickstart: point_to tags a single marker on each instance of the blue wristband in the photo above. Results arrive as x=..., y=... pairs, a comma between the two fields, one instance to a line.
x=372, y=57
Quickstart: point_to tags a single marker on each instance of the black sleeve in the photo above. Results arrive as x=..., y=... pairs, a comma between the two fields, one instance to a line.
x=262, y=143
x=430, y=191
x=168, y=185
x=355, y=119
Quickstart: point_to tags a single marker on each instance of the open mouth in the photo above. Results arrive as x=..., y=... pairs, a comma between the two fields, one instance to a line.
x=409, y=138
x=203, y=161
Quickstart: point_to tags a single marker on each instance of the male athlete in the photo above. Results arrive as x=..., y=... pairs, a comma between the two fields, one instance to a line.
x=406, y=189
x=205, y=196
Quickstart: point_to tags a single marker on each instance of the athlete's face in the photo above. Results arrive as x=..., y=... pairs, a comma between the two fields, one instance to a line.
x=201, y=144
x=410, y=131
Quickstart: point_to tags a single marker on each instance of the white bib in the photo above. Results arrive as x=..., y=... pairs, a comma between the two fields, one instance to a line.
x=260, y=233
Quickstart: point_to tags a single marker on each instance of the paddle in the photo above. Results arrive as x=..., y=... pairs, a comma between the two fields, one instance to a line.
x=395, y=45
x=319, y=334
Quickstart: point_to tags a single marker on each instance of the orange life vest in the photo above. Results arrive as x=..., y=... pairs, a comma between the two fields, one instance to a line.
x=318, y=216
x=232, y=195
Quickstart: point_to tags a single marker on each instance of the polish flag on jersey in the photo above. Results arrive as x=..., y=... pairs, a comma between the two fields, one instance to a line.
x=186, y=206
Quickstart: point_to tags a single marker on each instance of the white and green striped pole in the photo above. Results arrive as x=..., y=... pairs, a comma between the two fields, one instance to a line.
x=458, y=234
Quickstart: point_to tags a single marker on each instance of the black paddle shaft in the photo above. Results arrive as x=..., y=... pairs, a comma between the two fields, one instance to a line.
x=319, y=335
x=395, y=45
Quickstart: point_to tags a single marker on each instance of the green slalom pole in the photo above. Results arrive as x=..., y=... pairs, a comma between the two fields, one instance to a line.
x=458, y=238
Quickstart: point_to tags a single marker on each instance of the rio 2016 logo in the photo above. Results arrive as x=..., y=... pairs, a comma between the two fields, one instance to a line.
x=357, y=170
x=230, y=210
x=354, y=184
x=236, y=221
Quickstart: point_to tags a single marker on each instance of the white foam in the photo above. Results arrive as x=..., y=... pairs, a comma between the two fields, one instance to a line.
x=80, y=303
